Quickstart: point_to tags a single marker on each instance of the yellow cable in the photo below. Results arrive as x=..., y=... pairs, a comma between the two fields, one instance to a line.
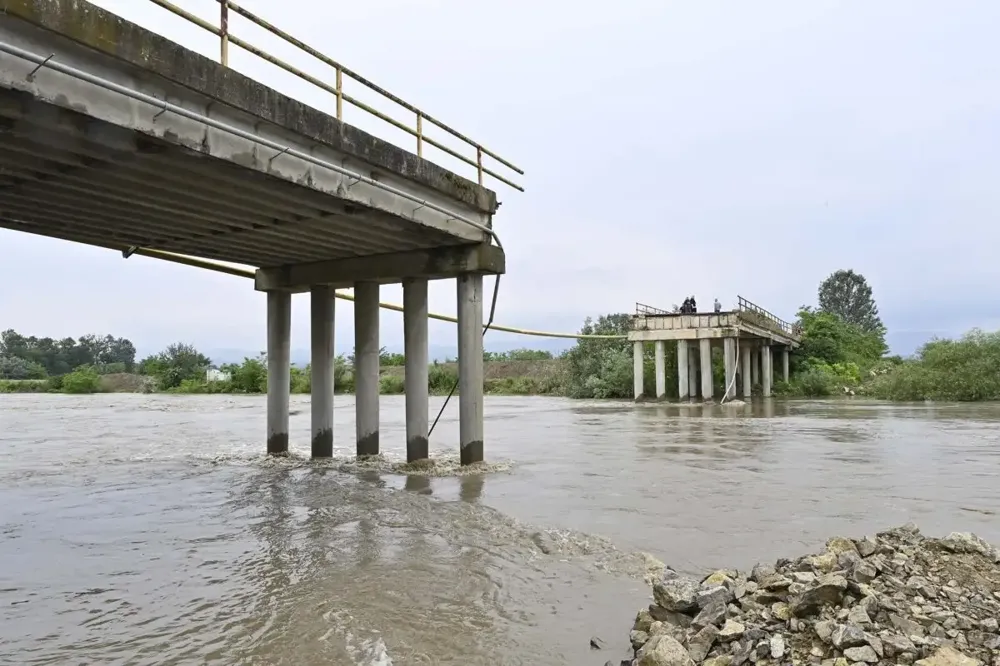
x=239, y=272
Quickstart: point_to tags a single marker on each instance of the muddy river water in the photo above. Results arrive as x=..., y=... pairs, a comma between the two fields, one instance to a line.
x=142, y=529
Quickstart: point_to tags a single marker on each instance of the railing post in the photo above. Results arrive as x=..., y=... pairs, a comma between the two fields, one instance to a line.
x=479, y=163
x=420, y=134
x=340, y=94
x=224, y=32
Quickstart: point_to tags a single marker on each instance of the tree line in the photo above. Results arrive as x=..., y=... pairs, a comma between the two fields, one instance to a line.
x=843, y=350
x=30, y=357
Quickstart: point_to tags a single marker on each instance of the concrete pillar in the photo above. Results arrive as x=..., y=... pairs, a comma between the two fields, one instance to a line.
x=784, y=363
x=729, y=361
x=692, y=368
x=765, y=370
x=706, y=369
x=747, y=386
x=415, y=349
x=682, y=369
x=321, y=312
x=637, y=352
x=279, y=380
x=755, y=362
x=366, y=367
x=470, y=367
x=661, y=368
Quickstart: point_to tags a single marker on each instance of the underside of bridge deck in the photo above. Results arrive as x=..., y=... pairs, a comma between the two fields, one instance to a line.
x=67, y=175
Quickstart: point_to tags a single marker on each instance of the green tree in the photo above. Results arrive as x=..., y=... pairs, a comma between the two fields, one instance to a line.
x=82, y=380
x=13, y=367
x=601, y=368
x=849, y=296
x=177, y=363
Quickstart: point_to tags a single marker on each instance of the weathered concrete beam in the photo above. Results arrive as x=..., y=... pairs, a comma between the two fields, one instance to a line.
x=683, y=334
x=742, y=331
x=439, y=263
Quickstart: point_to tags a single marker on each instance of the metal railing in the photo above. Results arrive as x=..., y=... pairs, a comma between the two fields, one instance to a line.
x=756, y=314
x=226, y=37
x=642, y=309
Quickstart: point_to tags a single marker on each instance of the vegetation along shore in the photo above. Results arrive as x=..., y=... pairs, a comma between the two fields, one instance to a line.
x=843, y=353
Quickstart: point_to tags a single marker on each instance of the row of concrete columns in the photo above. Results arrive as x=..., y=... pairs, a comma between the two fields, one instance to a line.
x=755, y=367
x=366, y=368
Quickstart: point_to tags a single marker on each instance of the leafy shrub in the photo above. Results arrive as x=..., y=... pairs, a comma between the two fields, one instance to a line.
x=82, y=380
x=391, y=384
x=441, y=378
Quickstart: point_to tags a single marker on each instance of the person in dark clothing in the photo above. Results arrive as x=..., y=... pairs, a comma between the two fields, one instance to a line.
x=686, y=306
x=694, y=305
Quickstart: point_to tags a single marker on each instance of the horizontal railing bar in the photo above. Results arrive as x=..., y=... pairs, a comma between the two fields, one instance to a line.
x=362, y=80
x=260, y=53
x=243, y=44
x=198, y=21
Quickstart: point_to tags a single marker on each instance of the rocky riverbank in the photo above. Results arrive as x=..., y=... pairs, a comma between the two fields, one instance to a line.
x=897, y=598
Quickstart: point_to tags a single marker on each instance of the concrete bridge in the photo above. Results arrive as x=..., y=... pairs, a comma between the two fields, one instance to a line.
x=113, y=136
x=748, y=335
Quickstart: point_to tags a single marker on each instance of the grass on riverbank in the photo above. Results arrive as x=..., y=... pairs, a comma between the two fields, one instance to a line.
x=531, y=377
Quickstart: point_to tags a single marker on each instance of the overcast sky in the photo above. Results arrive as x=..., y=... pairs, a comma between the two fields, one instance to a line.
x=670, y=148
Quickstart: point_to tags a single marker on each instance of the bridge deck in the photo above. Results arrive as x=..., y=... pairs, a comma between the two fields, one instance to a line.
x=86, y=162
x=747, y=321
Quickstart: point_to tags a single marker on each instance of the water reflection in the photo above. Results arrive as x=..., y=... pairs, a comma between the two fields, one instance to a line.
x=471, y=487
x=418, y=483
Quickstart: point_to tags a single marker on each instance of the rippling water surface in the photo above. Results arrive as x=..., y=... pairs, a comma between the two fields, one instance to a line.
x=152, y=530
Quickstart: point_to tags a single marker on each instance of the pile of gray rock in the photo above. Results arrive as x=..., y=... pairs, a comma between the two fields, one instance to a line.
x=897, y=598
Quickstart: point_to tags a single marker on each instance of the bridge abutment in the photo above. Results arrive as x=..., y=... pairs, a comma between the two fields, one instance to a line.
x=766, y=371
x=661, y=368
x=415, y=341
x=692, y=369
x=470, y=367
x=745, y=360
x=682, y=370
x=322, y=313
x=705, y=354
x=366, y=367
x=279, y=331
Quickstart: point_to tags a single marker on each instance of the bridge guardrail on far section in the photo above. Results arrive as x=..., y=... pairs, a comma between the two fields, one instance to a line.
x=226, y=37
x=758, y=315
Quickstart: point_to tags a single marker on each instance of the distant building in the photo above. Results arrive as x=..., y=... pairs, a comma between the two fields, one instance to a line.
x=214, y=375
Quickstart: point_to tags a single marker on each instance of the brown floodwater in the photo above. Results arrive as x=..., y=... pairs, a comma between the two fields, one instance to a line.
x=152, y=530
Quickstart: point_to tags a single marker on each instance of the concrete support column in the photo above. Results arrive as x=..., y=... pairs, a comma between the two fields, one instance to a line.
x=637, y=352
x=755, y=362
x=692, y=367
x=661, y=368
x=415, y=349
x=321, y=325
x=706, y=369
x=279, y=380
x=784, y=364
x=470, y=367
x=745, y=359
x=366, y=367
x=682, y=369
x=729, y=360
x=765, y=370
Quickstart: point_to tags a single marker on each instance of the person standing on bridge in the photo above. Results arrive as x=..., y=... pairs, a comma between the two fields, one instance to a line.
x=694, y=306
x=718, y=306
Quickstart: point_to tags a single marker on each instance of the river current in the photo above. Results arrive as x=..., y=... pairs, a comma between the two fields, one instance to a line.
x=140, y=529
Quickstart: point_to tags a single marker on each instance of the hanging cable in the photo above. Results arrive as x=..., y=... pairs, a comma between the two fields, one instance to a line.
x=493, y=307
